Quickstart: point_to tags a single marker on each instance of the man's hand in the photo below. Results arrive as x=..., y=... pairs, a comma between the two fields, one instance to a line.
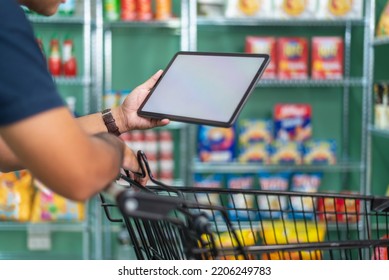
x=130, y=163
x=131, y=105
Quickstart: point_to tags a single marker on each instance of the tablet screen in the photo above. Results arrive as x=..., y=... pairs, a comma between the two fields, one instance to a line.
x=204, y=88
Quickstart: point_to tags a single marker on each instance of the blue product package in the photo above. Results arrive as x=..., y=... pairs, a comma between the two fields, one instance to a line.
x=302, y=207
x=216, y=144
x=272, y=205
x=208, y=181
x=319, y=151
x=241, y=201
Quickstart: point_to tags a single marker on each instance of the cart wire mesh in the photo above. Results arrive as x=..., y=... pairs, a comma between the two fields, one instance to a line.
x=170, y=223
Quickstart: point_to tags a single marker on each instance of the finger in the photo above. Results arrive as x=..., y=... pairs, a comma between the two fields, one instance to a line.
x=153, y=80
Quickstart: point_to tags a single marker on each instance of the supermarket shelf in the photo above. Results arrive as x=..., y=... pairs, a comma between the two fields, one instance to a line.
x=57, y=19
x=38, y=256
x=381, y=41
x=64, y=227
x=274, y=22
x=379, y=131
x=234, y=167
x=311, y=83
x=78, y=81
x=172, y=23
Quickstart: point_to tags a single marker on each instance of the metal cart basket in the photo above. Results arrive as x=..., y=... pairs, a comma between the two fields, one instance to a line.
x=208, y=223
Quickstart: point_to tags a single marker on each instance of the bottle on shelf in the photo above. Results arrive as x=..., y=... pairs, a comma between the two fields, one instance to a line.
x=111, y=10
x=163, y=9
x=128, y=10
x=54, y=60
x=144, y=10
x=68, y=58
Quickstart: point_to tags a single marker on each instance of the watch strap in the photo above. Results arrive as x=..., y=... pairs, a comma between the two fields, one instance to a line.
x=109, y=122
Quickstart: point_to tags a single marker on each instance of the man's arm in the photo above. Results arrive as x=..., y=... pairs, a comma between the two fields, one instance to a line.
x=61, y=155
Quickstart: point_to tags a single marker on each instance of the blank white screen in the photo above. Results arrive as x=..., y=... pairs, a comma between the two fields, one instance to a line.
x=204, y=87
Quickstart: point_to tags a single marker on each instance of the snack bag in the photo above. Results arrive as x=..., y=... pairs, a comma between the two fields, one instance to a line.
x=304, y=206
x=383, y=23
x=208, y=181
x=51, y=207
x=291, y=232
x=286, y=152
x=319, y=152
x=241, y=205
x=267, y=45
x=292, y=122
x=292, y=55
x=272, y=205
x=327, y=58
x=16, y=192
x=249, y=8
x=338, y=209
x=333, y=9
x=216, y=144
x=295, y=8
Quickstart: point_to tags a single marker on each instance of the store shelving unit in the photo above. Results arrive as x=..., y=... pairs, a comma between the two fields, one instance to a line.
x=345, y=164
x=375, y=178
x=81, y=234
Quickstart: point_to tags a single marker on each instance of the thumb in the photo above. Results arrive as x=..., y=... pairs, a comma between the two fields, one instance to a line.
x=153, y=80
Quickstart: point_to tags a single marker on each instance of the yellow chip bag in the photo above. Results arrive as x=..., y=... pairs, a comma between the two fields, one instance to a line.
x=16, y=192
x=51, y=207
x=383, y=24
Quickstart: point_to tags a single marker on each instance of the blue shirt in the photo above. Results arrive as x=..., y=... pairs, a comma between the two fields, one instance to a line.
x=26, y=86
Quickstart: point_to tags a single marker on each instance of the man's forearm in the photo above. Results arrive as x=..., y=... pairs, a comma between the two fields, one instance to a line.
x=94, y=123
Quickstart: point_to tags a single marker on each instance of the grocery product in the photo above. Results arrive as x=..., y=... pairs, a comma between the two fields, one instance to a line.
x=294, y=8
x=383, y=23
x=208, y=181
x=144, y=10
x=350, y=9
x=68, y=59
x=338, y=209
x=292, y=122
x=127, y=10
x=381, y=253
x=319, y=151
x=292, y=56
x=267, y=45
x=303, y=206
x=111, y=10
x=248, y=8
x=54, y=59
x=16, y=193
x=291, y=232
x=255, y=130
x=327, y=58
x=269, y=205
x=241, y=206
x=255, y=152
x=286, y=152
x=216, y=144
x=163, y=9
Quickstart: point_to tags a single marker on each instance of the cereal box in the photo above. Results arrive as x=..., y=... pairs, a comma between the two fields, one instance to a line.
x=255, y=130
x=327, y=58
x=249, y=8
x=319, y=152
x=255, y=152
x=292, y=55
x=216, y=144
x=286, y=152
x=294, y=8
x=292, y=122
x=350, y=9
x=267, y=45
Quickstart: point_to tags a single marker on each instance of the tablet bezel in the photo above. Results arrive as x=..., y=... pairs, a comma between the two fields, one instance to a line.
x=210, y=122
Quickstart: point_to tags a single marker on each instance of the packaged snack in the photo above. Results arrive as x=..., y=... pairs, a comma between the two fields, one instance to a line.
x=327, y=58
x=286, y=152
x=272, y=206
x=292, y=56
x=267, y=45
x=292, y=122
x=51, y=207
x=303, y=206
x=208, y=181
x=338, y=209
x=16, y=193
x=383, y=23
x=294, y=8
x=350, y=9
x=319, y=152
x=245, y=202
x=216, y=144
x=249, y=8
x=291, y=232
x=256, y=152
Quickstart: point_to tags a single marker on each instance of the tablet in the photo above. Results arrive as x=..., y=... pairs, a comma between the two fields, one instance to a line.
x=204, y=88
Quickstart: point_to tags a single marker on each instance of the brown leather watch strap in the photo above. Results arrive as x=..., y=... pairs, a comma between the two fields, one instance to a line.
x=109, y=122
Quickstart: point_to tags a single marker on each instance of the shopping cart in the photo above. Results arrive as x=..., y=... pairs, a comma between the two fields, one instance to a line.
x=168, y=223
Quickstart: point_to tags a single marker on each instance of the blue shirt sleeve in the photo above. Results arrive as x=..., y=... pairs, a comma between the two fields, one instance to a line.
x=26, y=86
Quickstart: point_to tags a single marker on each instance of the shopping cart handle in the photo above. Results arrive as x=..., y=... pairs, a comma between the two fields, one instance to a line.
x=141, y=204
x=380, y=204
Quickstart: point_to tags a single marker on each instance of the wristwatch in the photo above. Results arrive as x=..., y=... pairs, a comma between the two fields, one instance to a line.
x=109, y=122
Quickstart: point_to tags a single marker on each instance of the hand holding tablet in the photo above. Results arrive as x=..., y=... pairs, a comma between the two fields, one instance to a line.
x=204, y=88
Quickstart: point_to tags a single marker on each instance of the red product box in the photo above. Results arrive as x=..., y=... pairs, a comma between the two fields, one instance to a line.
x=266, y=45
x=337, y=209
x=292, y=54
x=327, y=58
